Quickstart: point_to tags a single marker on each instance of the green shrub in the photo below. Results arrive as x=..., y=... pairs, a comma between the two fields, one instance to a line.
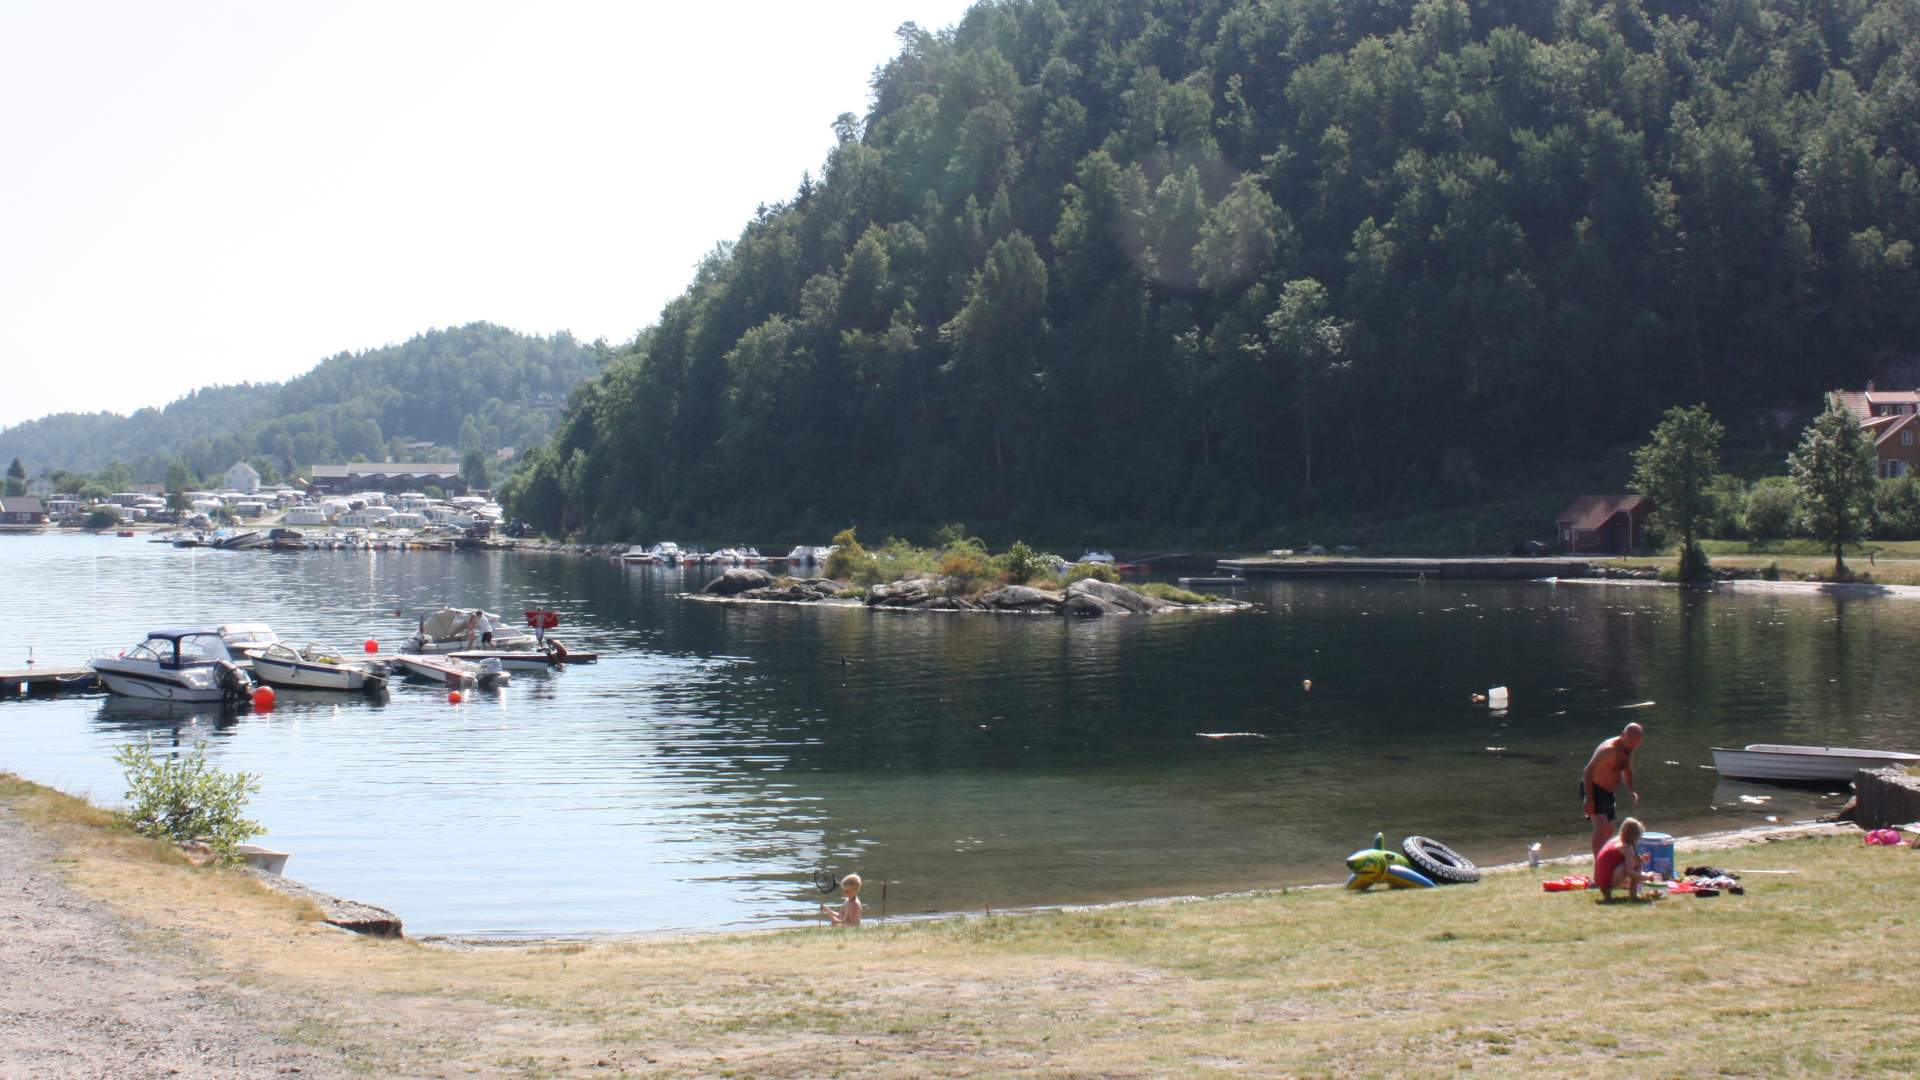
x=966, y=567
x=1771, y=571
x=183, y=797
x=848, y=557
x=1102, y=571
x=103, y=518
x=1694, y=565
x=1022, y=564
x=1773, y=509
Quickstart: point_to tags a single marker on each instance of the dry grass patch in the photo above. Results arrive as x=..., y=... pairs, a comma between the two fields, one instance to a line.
x=1797, y=976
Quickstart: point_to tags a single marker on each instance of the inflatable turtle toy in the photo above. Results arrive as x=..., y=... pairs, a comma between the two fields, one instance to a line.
x=1378, y=866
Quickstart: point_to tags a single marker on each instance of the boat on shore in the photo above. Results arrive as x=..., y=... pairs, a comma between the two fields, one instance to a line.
x=1788, y=763
x=315, y=667
x=177, y=663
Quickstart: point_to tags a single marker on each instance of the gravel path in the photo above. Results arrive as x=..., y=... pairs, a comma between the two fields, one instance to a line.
x=81, y=997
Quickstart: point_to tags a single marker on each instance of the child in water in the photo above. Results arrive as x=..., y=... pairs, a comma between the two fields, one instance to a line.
x=1617, y=866
x=849, y=913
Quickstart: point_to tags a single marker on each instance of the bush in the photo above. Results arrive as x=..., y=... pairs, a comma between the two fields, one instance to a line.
x=1694, y=566
x=103, y=518
x=183, y=797
x=965, y=567
x=1022, y=564
x=1896, y=508
x=1103, y=571
x=847, y=557
x=1773, y=509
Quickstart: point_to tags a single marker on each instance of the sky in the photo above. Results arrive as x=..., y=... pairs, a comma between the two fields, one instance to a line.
x=202, y=193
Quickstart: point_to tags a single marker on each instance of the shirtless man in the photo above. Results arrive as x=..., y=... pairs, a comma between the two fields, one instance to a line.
x=1610, y=766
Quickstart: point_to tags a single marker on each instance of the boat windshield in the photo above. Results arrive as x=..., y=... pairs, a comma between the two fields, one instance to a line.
x=202, y=649
x=150, y=649
x=278, y=651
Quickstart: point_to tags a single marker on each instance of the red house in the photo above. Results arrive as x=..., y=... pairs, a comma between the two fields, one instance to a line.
x=1891, y=418
x=1604, y=524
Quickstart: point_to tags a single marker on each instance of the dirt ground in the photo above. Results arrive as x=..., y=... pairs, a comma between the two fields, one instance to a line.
x=84, y=995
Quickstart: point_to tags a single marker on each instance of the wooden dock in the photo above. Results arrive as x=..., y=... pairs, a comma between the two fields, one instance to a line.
x=41, y=680
x=1486, y=569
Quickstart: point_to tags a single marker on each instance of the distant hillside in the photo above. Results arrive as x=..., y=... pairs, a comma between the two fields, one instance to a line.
x=1241, y=262
x=477, y=386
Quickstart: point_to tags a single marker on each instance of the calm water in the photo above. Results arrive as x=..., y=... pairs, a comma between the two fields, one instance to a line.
x=716, y=754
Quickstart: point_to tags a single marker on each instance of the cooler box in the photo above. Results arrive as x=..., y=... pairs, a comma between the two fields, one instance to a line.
x=1658, y=848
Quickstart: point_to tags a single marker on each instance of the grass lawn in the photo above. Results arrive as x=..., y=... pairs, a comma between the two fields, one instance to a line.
x=1888, y=562
x=1808, y=973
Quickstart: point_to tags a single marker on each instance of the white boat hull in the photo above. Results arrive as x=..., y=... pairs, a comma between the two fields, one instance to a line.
x=1803, y=764
x=157, y=689
x=308, y=676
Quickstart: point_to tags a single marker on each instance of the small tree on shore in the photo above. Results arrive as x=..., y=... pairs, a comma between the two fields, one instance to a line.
x=1676, y=470
x=1833, y=467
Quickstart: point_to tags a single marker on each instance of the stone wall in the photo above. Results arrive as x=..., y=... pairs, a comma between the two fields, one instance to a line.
x=1888, y=797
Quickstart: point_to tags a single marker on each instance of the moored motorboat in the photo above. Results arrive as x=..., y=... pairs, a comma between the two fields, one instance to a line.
x=315, y=667
x=459, y=629
x=553, y=656
x=244, y=639
x=176, y=664
x=451, y=673
x=1787, y=763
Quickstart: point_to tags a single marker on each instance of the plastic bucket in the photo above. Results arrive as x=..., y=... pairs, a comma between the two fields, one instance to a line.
x=1658, y=848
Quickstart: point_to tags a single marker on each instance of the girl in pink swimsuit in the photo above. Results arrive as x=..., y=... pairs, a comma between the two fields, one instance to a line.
x=1618, y=864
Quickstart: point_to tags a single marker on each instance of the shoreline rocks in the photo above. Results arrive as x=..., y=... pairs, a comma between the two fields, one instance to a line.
x=1086, y=598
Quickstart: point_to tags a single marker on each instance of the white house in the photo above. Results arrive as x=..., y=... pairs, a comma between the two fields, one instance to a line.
x=305, y=515
x=242, y=477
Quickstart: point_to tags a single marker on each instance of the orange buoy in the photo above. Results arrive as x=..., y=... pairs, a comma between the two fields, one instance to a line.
x=453, y=697
x=263, y=698
x=372, y=646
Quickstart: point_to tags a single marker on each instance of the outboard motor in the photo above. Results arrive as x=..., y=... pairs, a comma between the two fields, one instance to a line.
x=235, y=684
x=493, y=674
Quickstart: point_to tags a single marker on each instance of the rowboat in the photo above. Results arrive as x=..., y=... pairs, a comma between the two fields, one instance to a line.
x=1803, y=764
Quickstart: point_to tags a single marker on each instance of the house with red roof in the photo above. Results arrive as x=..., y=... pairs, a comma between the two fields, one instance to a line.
x=1604, y=524
x=1891, y=418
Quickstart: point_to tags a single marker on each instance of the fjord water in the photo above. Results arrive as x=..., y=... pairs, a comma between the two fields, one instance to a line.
x=716, y=755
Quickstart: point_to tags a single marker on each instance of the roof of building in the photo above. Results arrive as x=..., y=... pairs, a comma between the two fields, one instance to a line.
x=1883, y=427
x=1861, y=402
x=1592, y=511
x=382, y=468
x=21, y=504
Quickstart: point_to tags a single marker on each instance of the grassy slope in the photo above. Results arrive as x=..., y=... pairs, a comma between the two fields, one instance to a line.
x=1806, y=974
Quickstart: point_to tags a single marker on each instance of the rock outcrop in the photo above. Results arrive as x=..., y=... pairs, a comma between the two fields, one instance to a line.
x=1021, y=598
x=1136, y=603
x=735, y=582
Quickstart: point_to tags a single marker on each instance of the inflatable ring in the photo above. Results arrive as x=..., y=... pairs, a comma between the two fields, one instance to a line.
x=1440, y=862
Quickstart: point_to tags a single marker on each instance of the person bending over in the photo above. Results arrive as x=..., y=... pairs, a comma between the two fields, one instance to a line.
x=1617, y=865
x=1610, y=767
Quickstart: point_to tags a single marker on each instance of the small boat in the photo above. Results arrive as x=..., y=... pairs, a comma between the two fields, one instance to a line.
x=460, y=629
x=176, y=664
x=315, y=667
x=1803, y=764
x=554, y=656
x=244, y=639
x=451, y=673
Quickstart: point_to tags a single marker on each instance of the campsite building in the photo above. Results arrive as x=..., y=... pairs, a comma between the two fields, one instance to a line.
x=1604, y=524
x=387, y=476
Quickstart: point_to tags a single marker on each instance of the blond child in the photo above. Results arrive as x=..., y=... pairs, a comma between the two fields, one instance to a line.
x=849, y=913
x=1617, y=866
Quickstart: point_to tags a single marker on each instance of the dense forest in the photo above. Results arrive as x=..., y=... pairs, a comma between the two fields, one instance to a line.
x=1224, y=262
x=464, y=388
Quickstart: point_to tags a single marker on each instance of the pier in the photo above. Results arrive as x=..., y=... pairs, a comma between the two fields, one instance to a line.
x=1476, y=569
x=38, y=681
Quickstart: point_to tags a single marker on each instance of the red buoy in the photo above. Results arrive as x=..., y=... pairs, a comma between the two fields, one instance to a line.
x=453, y=697
x=372, y=646
x=263, y=698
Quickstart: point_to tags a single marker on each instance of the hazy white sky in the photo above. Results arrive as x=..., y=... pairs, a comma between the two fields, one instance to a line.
x=194, y=193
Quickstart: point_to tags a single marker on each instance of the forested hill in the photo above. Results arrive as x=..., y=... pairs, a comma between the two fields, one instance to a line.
x=472, y=386
x=1225, y=261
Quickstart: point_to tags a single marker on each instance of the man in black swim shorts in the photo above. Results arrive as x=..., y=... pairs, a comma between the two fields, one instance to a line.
x=1610, y=766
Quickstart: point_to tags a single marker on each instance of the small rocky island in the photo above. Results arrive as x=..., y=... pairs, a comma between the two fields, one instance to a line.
x=1086, y=597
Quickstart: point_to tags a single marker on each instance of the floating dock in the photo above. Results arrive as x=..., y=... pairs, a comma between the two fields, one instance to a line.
x=1485, y=569
x=39, y=681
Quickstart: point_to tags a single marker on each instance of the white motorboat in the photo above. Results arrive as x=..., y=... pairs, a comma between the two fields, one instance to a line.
x=246, y=638
x=176, y=664
x=451, y=673
x=459, y=629
x=315, y=667
x=1803, y=764
x=637, y=554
